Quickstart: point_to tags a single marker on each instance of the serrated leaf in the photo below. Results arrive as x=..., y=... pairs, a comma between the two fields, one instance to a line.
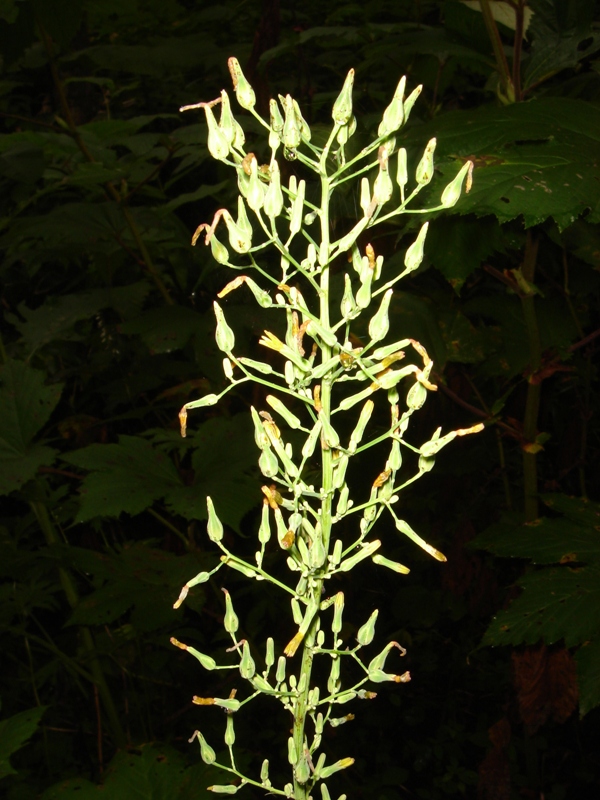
x=14, y=734
x=127, y=477
x=557, y=603
x=458, y=246
x=25, y=406
x=588, y=675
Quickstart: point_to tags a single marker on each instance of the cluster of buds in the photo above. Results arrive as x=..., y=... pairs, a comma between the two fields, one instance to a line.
x=298, y=519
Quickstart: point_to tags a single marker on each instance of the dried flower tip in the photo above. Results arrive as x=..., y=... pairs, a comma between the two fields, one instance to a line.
x=203, y=701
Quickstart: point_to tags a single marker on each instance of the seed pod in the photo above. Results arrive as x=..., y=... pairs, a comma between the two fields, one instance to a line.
x=274, y=196
x=348, y=402
x=317, y=553
x=365, y=551
x=276, y=120
x=402, y=172
x=363, y=296
x=380, y=323
x=338, y=608
x=379, y=676
x=453, y=190
x=291, y=134
x=229, y=732
x=276, y=404
x=424, y=172
x=247, y=665
x=256, y=190
x=389, y=349
x=225, y=788
x=214, y=526
x=224, y=336
x=393, y=116
x=405, y=528
x=207, y=662
x=345, y=697
x=395, y=459
x=383, y=187
x=207, y=753
x=260, y=435
x=311, y=441
x=346, y=131
x=262, y=297
x=393, y=565
x=342, y=108
x=410, y=101
x=297, y=209
x=259, y=366
x=302, y=770
x=378, y=662
x=414, y=254
x=217, y=143
x=346, y=242
x=262, y=685
x=230, y=621
x=243, y=91
x=227, y=122
x=228, y=369
x=218, y=250
x=417, y=394
x=268, y=463
x=366, y=633
x=348, y=304
x=339, y=474
x=239, y=238
x=357, y=433
x=330, y=436
x=342, y=504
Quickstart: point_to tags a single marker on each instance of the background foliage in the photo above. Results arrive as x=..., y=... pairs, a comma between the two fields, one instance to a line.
x=107, y=331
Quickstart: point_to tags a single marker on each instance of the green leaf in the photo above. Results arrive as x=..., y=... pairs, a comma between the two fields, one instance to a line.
x=588, y=675
x=458, y=246
x=557, y=603
x=14, y=734
x=168, y=328
x=25, y=406
x=127, y=477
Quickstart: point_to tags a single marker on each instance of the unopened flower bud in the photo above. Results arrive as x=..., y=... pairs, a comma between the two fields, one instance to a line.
x=338, y=608
x=274, y=196
x=217, y=143
x=393, y=116
x=342, y=108
x=291, y=134
x=224, y=788
x=405, y=528
x=402, y=171
x=357, y=433
x=348, y=305
x=218, y=250
x=276, y=404
x=207, y=753
x=366, y=633
x=247, y=665
x=424, y=172
x=297, y=209
x=268, y=463
x=414, y=254
x=227, y=122
x=214, y=525
x=243, y=91
x=410, y=101
x=230, y=622
x=365, y=551
x=365, y=194
x=330, y=435
x=256, y=190
x=383, y=187
x=393, y=565
x=380, y=323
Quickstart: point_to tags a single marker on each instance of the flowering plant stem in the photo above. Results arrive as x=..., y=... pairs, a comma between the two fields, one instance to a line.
x=309, y=394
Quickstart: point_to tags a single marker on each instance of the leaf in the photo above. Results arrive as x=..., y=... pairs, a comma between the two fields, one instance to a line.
x=537, y=159
x=14, y=734
x=588, y=675
x=557, y=603
x=168, y=328
x=25, y=406
x=458, y=246
x=127, y=477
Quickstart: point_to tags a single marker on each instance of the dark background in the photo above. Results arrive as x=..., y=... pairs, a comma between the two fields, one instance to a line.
x=108, y=329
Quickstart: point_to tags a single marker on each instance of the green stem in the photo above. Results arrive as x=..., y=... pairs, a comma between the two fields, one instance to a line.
x=72, y=595
x=501, y=62
x=534, y=387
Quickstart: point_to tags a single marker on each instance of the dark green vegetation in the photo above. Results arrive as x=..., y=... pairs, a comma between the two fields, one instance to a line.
x=108, y=330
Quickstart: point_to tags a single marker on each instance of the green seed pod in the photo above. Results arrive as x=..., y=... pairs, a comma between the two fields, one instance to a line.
x=379, y=676
x=366, y=633
x=214, y=526
x=280, y=673
x=453, y=190
x=218, y=250
x=380, y=323
x=346, y=242
x=365, y=194
x=230, y=621
x=393, y=116
x=206, y=661
x=291, y=134
x=259, y=366
x=326, y=772
x=225, y=788
x=329, y=433
x=389, y=349
x=339, y=474
x=405, y=528
x=345, y=697
x=239, y=239
x=302, y=770
x=262, y=297
x=224, y=336
x=417, y=394
x=383, y=188
x=243, y=91
x=276, y=120
x=264, y=773
x=317, y=553
x=260, y=684
x=402, y=171
x=393, y=565
x=288, y=790
x=249, y=572
x=424, y=172
x=348, y=402
x=315, y=328
x=247, y=665
x=268, y=463
x=414, y=254
x=410, y=101
x=274, y=196
x=338, y=608
x=337, y=552
x=358, y=432
x=297, y=209
x=296, y=610
x=365, y=551
x=242, y=221
x=207, y=753
x=348, y=305
x=276, y=404
x=217, y=143
x=240, y=137
x=333, y=682
x=256, y=190
x=395, y=460
x=341, y=112
x=378, y=663
x=227, y=122
x=260, y=435
x=229, y=731
x=342, y=503
x=346, y=131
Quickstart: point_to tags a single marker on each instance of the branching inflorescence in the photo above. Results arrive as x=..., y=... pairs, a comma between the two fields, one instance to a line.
x=310, y=381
